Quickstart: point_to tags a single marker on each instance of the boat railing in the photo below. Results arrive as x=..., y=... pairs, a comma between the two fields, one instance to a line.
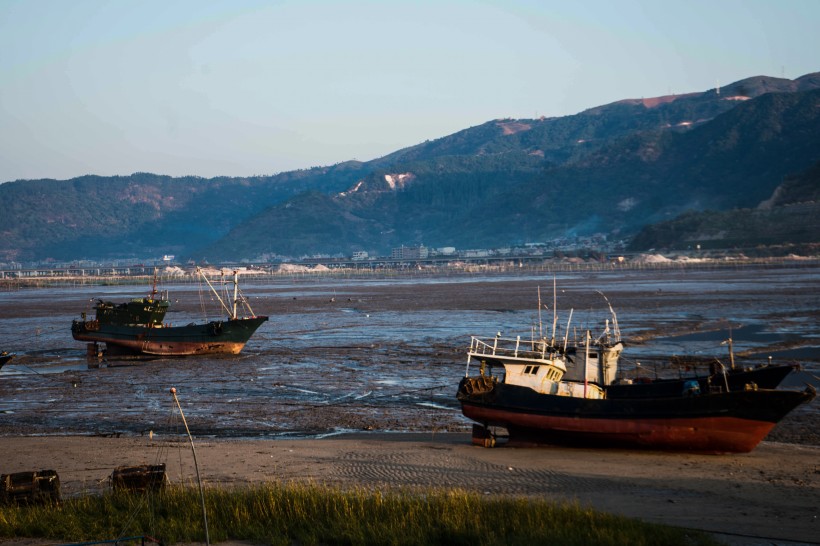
x=510, y=348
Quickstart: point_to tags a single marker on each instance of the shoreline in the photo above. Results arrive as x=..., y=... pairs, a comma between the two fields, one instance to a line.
x=772, y=492
x=505, y=267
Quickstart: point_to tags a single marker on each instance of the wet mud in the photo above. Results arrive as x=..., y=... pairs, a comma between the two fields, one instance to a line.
x=386, y=354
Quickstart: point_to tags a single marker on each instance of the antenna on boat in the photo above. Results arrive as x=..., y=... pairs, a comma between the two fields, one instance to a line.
x=586, y=361
x=235, y=292
x=731, y=349
x=540, y=325
x=615, y=327
x=154, y=287
x=554, y=311
x=196, y=465
x=566, y=334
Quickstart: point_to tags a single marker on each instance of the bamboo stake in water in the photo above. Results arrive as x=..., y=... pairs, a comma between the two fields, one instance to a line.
x=196, y=466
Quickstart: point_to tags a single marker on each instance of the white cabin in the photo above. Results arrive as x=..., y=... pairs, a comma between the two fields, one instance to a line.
x=534, y=364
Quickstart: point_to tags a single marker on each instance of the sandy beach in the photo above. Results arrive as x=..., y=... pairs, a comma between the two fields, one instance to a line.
x=769, y=495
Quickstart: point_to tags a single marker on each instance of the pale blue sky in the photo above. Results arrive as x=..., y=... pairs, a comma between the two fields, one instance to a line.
x=258, y=87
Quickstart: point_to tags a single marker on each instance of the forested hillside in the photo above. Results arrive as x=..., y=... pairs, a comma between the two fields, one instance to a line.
x=612, y=170
x=791, y=219
x=486, y=200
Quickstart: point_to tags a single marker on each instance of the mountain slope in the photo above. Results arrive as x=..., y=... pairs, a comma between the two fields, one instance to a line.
x=791, y=215
x=734, y=160
x=610, y=169
x=142, y=214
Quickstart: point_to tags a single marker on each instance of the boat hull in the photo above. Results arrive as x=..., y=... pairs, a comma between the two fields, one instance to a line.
x=764, y=377
x=215, y=337
x=725, y=422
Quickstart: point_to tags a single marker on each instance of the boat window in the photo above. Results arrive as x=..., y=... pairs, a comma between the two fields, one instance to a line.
x=535, y=369
x=527, y=369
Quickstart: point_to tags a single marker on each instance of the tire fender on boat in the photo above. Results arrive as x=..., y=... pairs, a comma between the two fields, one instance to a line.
x=216, y=328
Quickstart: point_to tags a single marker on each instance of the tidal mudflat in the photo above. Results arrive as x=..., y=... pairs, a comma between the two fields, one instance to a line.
x=344, y=354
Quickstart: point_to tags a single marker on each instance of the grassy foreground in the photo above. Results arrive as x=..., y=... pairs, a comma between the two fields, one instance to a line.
x=311, y=514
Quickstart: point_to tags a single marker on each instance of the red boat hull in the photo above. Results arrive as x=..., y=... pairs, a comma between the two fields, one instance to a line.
x=720, y=422
x=705, y=434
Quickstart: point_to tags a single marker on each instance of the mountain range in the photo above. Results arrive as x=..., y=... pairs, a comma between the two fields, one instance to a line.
x=666, y=171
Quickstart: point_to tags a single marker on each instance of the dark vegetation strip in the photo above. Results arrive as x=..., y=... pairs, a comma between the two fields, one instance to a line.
x=310, y=514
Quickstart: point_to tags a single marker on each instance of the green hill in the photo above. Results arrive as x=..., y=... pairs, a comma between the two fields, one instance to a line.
x=612, y=169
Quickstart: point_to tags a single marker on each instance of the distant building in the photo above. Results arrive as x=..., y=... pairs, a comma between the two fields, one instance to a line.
x=360, y=255
x=410, y=253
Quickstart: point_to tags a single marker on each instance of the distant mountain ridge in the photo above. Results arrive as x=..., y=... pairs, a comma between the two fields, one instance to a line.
x=611, y=169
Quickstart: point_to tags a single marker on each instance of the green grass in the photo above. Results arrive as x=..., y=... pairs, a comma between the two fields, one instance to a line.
x=311, y=514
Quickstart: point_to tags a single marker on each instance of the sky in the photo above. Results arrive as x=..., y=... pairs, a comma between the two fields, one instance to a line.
x=252, y=87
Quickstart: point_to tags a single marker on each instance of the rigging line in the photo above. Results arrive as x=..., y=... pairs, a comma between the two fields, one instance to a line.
x=173, y=427
x=245, y=303
x=162, y=447
x=39, y=332
x=202, y=300
x=368, y=406
x=143, y=500
x=35, y=372
x=374, y=397
x=196, y=466
x=307, y=406
x=146, y=499
x=302, y=406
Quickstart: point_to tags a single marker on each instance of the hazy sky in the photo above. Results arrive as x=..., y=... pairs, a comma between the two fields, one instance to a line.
x=258, y=87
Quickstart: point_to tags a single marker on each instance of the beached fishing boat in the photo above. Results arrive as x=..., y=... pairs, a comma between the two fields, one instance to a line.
x=137, y=327
x=600, y=365
x=543, y=392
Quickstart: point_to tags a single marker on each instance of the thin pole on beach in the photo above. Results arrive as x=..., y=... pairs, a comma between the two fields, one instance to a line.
x=196, y=466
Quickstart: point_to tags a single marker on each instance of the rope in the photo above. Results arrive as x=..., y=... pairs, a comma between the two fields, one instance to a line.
x=42, y=375
x=347, y=400
x=23, y=339
x=147, y=498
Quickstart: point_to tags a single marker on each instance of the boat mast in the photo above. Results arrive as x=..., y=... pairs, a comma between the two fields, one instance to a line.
x=218, y=297
x=154, y=287
x=235, y=292
x=566, y=334
x=554, y=311
x=586, y=362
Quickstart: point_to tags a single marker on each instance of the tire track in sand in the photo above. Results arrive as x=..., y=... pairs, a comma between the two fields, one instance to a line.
x=408, y=469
